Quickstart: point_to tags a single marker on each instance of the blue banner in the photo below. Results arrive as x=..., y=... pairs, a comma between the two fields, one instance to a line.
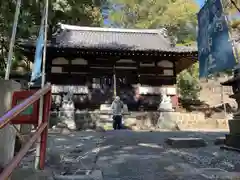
x=215, y=51
x=37, y=70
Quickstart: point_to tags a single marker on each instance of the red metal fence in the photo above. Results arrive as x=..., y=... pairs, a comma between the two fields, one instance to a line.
x=42, y=129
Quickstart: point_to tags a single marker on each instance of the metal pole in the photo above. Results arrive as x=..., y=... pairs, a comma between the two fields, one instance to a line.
x=40, y=118
x=222, y=101
x=12, y=41
x=114, y=82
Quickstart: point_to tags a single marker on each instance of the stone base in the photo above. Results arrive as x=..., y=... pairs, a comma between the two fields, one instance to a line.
x=220, y=141
x=230, y=148
x=234, y=126
x=186, y=142
x=232, y=140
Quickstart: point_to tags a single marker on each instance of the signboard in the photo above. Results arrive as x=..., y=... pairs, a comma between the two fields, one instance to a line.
x=30, y=115
x=27, y=111
x=215, y=50
x=72, y=89
x=149, y=90
x=157, y=90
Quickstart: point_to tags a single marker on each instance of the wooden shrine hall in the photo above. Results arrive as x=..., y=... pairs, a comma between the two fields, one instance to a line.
x=90, y=56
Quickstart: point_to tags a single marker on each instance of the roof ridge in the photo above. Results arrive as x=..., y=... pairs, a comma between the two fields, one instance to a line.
x=86, y=28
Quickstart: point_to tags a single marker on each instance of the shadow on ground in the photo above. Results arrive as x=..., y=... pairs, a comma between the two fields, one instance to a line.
x=125, y=154
x=144, y=155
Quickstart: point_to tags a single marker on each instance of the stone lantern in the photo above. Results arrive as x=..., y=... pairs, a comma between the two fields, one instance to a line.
x=233, y=138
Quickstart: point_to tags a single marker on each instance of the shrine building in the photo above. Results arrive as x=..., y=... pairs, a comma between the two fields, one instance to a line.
x=85, y=61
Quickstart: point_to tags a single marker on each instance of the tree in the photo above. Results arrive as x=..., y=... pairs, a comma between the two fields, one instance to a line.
x=177, y=16
x=188, y=83
x=79, y=12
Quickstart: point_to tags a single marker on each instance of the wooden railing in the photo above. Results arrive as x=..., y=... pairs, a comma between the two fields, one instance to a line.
x=41, y=131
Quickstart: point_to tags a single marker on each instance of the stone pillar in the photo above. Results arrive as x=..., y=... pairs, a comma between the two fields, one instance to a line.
x=8, y=133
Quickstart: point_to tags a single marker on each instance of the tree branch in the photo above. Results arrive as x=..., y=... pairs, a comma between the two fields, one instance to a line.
x=235, y=5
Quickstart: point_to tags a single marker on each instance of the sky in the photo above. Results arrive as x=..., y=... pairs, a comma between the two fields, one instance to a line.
x=200, y=2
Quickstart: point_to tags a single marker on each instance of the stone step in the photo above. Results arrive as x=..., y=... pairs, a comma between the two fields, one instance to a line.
x=185, y=142
x=81, y=175
x=219, y=141
x=31, y=174
x=230, y=148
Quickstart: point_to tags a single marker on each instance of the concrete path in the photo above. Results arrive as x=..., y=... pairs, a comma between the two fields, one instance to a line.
x=128, y=155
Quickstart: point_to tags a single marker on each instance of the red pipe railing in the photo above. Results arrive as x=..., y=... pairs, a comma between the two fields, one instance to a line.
x=7, y=117
x=42, y=129
x=17, y=159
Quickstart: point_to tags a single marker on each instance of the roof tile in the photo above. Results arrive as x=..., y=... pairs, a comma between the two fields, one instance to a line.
x=115, y=39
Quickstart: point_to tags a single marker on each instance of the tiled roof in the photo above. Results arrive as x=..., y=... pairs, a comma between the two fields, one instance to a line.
x=114, y=39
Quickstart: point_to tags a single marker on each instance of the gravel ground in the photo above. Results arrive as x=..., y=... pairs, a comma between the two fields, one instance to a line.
x=128, y=155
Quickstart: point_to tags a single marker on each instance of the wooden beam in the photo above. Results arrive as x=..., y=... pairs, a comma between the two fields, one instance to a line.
x=157, y=80
x=99, y=72
x=88, y=69
x=63, y=79
x=124, y=64
x=99, y=64
x=143, y=70
x=151, y=70
x=108, y=70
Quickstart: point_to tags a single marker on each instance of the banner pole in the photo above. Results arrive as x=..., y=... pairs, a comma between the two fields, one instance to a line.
x=41, y=104
x=12, y=41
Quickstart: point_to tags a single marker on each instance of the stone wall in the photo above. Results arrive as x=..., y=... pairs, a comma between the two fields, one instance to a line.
x=184, y=121
x=147, y=120
x=8, y=133
x=198, y=120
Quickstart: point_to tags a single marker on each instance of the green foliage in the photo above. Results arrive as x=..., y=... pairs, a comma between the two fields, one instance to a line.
x=177, y=16
x=79, y=12
x=188, y=83
x=229, y=6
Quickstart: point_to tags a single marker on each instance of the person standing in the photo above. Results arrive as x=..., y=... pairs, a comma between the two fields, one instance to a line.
x=117, y=110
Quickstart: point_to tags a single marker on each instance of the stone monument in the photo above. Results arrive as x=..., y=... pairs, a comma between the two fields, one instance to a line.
x=165, y=120
x=233, y=138
x=68, y=111
x=166, y=103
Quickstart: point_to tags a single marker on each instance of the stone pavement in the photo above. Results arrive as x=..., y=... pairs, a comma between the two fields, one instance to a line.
x=67, y=155
x=129, y=155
